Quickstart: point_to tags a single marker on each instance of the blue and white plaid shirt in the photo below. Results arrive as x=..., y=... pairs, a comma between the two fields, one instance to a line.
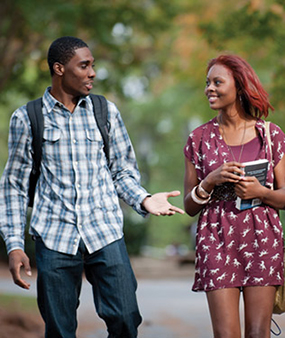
x=77, y=194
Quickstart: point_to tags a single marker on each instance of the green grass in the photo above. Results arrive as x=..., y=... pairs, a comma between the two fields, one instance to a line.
x=18, y=303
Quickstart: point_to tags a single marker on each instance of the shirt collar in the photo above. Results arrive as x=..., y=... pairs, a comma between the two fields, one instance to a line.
x=51, y=102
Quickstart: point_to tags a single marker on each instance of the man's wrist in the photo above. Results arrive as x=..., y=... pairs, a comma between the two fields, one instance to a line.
x=143, y=202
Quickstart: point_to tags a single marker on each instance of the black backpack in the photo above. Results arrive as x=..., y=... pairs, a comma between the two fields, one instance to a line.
x=34, y=109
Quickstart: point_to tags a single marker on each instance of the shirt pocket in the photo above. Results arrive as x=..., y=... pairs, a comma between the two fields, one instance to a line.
x=93, y=135
x=52, y=135
x=94, y=144
x=51, y=146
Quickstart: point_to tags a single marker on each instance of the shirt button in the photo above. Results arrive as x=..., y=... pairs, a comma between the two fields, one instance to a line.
x=74, y=141
x=80, y=226
x=78, y=186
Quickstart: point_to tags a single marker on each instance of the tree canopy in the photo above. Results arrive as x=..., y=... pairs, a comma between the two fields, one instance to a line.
x=151, y=57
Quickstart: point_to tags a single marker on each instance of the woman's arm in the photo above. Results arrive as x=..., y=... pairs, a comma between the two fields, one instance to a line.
x=190, y=181
x=227, y=172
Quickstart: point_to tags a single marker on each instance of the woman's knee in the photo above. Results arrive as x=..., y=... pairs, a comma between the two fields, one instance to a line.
x=227, y=332
x=257, y=331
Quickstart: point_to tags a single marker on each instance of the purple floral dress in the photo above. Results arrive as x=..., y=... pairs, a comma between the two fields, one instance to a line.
x=235, y=248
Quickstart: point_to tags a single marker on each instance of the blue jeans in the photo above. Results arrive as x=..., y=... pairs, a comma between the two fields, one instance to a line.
x=113, y=282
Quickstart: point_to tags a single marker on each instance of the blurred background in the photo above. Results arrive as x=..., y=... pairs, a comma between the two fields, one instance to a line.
x=151, y=57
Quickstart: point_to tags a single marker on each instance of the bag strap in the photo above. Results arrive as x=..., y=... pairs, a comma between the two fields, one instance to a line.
x=268, y=136
x=34, y=109
x=267, y=131
x=100, y=110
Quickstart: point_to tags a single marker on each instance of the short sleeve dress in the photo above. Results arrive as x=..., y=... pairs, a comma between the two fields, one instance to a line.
x=235, y=248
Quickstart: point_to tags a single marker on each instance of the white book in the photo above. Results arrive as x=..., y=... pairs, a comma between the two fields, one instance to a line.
x=258, y=169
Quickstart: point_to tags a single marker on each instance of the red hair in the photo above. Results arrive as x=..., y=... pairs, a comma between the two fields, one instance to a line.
x=254, y=97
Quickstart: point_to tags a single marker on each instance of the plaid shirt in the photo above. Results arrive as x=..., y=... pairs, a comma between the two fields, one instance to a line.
x=77, y=195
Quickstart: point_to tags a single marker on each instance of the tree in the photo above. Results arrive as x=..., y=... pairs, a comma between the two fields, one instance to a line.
x=120, y=32
x=151, y=57
x=122, y=35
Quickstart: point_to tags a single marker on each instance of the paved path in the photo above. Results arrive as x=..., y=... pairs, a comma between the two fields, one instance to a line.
x=169, y=308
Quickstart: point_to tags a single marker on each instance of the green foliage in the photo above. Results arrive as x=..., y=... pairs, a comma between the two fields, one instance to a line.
x=151, y=58
x=241, y=23
x=26, y=34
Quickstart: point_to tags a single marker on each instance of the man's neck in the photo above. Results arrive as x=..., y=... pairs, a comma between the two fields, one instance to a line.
x=67, y=100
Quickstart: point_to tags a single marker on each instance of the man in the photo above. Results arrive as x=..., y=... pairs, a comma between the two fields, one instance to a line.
x=77, y=222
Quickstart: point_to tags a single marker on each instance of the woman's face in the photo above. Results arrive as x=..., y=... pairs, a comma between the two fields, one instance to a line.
x=220, y=88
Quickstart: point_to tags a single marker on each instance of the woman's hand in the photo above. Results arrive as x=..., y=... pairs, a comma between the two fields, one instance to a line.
x=227, y=172
x=249, y=187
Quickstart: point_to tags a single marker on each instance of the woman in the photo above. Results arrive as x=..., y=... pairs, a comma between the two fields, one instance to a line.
x=236, y=251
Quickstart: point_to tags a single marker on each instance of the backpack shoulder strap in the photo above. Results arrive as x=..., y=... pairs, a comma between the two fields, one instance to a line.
x=34, y=109
x=100, y=110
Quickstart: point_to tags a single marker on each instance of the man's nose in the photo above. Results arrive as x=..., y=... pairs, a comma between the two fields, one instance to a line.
x=92, y=73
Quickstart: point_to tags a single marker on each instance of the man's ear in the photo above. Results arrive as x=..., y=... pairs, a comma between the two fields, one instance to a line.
x=58, y=68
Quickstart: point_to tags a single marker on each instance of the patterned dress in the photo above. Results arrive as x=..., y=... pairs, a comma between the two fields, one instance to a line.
x=235, y=248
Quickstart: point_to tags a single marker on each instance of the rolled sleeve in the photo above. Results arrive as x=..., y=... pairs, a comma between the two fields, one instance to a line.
x=14, y=183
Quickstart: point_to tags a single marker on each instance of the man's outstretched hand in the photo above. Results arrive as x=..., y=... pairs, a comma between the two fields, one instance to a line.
x=158, y=204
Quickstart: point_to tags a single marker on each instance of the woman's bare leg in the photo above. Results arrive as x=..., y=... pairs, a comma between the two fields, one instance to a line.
x=258, y=304
x=224, y=311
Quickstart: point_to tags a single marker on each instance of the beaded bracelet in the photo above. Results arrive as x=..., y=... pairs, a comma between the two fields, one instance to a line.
x=198, y=199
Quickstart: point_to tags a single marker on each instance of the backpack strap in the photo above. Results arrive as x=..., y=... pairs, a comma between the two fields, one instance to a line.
x=100, y=110
x=34, y=109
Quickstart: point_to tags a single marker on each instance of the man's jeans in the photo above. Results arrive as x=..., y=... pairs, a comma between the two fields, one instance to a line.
x=113, y=283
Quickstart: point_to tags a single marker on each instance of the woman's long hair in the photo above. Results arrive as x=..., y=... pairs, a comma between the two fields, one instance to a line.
x=254, y=97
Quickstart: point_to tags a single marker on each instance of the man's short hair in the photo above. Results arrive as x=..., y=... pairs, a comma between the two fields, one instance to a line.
x=62, y=50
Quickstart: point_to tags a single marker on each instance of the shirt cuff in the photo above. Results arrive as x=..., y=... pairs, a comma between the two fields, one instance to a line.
x=14, y=243
x=138, y=206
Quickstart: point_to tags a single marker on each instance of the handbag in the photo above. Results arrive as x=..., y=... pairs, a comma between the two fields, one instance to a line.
x=279, y=302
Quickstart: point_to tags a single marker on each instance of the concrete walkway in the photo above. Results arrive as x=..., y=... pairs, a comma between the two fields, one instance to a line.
x=169, y=308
